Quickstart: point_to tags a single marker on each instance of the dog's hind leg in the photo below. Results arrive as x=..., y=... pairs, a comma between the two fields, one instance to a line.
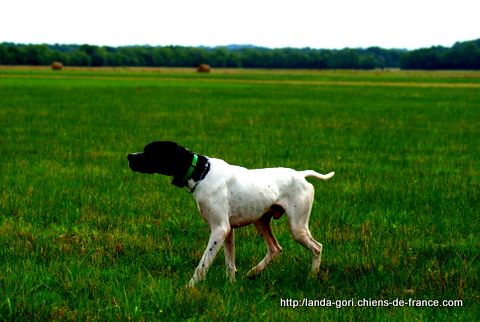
x=229, y=248
x=304, y=237
x=263, y=227
x=298, y=213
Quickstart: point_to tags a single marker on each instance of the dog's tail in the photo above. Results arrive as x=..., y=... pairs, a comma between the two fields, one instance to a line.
x=311, y=173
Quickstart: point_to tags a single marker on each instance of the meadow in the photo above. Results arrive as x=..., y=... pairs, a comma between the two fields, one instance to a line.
x=84, y=238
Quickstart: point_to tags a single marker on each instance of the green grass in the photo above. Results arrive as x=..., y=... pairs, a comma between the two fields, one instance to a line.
x=84, y=238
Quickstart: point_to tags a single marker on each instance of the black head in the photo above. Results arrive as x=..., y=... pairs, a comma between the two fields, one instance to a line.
x=163, y=157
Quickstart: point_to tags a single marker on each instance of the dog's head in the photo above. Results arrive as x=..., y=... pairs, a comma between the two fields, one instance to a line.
x=162, y=157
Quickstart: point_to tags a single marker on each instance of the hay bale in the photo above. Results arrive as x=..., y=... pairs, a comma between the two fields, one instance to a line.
x=203, y=68
x=56, y=65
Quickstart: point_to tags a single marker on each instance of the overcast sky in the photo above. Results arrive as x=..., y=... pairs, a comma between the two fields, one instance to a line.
x=295, y=23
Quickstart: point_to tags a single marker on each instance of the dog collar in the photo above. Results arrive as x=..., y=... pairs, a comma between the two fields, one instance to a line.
x=192, y=168
x=200, y=176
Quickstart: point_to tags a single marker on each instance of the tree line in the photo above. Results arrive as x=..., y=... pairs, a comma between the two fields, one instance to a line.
x=464, y=55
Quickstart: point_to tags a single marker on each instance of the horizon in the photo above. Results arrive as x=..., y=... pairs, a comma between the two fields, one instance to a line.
x=230, y=46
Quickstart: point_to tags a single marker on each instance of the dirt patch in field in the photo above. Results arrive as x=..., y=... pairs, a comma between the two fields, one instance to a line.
x=258, y=81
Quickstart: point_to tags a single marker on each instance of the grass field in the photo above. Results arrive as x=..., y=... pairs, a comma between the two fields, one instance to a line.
x=84, y=238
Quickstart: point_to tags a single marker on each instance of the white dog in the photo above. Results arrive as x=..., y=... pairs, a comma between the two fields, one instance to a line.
x=230, y=196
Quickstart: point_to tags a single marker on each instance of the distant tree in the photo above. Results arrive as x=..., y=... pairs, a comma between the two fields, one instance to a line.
x=464, y=55
x=344, y=59
x=425, y=58
x=368, y=61
x=97, y=54
x=5, y=55
x=38, y=55
x=16, y=55
x=79, y=58
x=219, y=57
x=233, y=60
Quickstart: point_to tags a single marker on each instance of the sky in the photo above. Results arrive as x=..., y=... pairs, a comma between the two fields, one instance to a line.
x=408, y=24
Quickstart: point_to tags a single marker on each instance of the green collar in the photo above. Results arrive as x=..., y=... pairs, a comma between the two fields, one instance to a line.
x=192, y=167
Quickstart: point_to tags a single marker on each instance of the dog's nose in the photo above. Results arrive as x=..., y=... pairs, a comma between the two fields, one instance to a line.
x=133, y=161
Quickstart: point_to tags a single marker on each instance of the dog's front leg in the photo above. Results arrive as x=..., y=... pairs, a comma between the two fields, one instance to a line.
x=217, y=237
x=229, y=248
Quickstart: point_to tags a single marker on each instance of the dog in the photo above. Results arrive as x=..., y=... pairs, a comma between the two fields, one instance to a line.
x=230, y=196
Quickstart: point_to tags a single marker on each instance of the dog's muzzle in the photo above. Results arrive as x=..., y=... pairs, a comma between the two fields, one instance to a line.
x=135, y=161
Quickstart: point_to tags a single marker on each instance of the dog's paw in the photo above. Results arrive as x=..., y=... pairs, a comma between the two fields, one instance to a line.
x=191, y=284
x=315, y=275
x=252, y=274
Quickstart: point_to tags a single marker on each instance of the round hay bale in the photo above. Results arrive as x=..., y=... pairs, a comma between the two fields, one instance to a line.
x=56, y=65
x=203, y=68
